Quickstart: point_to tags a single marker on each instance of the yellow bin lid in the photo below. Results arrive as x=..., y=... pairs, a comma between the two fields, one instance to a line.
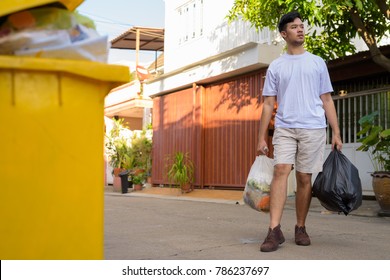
x=89, y=69
x=11, y=6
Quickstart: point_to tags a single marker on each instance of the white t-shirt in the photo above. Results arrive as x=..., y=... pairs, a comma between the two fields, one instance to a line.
x=298, y=81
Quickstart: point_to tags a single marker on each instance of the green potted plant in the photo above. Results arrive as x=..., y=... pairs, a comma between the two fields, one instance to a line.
x=138, y=180
x=119, y=152
x=142, y=148
x=180, y=170
x=375, y=140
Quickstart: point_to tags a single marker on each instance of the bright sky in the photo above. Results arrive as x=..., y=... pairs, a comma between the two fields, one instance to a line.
x=114, y=17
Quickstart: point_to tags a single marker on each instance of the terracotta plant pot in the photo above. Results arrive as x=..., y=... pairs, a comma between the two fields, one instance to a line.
x=186, y=188
x=117, y=184
x=117, y=180
x=117, y=171
x=381, y=187
x=139, y=171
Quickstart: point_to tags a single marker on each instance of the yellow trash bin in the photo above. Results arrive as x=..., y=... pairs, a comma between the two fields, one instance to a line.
x=11, y=6
x=51, y=161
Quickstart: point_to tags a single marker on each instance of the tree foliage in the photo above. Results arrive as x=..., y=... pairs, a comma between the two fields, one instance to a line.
x=332, y=23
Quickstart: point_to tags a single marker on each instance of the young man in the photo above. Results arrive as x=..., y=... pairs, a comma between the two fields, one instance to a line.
x=299, y=81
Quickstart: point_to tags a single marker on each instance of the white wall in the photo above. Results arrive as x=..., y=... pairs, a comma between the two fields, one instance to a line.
x=218, y=51
x=214, y=36
x=250, y=56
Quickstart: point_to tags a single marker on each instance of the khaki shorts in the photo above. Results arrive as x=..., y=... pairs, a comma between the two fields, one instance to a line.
x=303, y=147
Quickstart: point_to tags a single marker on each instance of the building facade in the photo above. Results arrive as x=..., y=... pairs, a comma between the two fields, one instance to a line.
x=208, y=101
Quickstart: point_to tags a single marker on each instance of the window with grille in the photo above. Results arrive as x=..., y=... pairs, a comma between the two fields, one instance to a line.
x=352, y=106
x=190, y=19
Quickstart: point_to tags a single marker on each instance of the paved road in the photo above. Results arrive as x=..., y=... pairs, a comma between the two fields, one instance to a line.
x=150, y=228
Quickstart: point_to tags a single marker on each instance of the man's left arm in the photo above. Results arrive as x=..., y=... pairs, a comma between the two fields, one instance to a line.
x=331, y=115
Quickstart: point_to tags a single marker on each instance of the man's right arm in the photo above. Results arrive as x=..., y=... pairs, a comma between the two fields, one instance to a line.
x=266, y=115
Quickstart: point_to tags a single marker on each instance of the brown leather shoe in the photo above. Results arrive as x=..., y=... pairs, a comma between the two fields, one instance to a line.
x=273, y=240
x=301, y=236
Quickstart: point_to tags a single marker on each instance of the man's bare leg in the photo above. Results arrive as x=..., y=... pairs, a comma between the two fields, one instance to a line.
x=302, y=205
x=278, y=193
x=302, y=197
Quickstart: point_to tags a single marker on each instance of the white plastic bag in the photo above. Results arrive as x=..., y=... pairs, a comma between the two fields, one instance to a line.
x=257, y=187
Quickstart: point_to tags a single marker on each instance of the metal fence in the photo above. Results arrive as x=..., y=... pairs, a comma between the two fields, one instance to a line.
x=352, y=106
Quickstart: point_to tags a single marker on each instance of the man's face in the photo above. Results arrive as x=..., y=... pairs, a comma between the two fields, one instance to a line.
x=294, y=33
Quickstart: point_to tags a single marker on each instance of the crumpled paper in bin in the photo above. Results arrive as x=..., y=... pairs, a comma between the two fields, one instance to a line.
x=52, y=33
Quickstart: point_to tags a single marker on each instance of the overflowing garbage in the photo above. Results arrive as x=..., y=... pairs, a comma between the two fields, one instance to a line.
x=52, y=32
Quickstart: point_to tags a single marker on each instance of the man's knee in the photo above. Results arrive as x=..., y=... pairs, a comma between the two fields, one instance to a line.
x=282, y=170
x=303, y=179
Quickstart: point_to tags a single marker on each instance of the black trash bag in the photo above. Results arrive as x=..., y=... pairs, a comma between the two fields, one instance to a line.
x=338, y=186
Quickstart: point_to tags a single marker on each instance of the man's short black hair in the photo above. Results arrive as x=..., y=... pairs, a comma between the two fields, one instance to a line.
x=287, y=18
